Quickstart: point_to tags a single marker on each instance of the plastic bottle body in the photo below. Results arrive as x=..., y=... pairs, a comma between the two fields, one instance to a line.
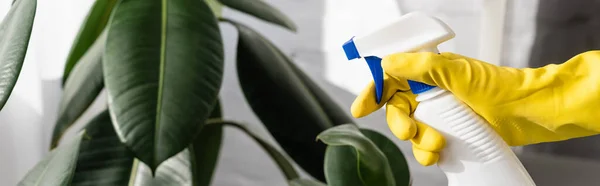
x=474, y=154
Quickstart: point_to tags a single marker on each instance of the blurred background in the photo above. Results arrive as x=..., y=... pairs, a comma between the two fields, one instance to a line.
x=525, y=33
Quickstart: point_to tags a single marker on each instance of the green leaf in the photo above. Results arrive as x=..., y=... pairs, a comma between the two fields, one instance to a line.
x=395, y=157
x=261, y=10
x=15, y=31
x=204, y=151
x=93, y=25
x=373, y=166
x=286, y=167
x=56, y=168
x=217, y=111
x=306, y=182
x=103, y=159
x=163, y=67
x=81, y=89
x=174, y=171
x=281, y=101
x=330, y=107
x=341, y=168
x=193, y=166
x=340, y=172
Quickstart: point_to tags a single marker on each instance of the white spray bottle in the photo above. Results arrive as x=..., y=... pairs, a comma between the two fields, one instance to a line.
x=474, y=155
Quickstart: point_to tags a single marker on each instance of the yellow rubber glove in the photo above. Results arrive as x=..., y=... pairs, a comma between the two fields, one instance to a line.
x=525, y=106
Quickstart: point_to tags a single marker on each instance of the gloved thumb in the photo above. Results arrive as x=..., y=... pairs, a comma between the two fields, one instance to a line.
x=446, y=70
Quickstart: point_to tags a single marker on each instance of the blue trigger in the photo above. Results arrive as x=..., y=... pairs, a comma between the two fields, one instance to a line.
x=418, y=87
x=377, y=72
x=374, y=63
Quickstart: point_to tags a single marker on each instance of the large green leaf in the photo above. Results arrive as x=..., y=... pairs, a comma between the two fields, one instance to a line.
x=261, y=10
x=56, y=168
x=93, y=25
x=163, y=67
x=103, y=159
x=81, y=89
x=340, y=166
x=373, y=167
x=345, y=143
x=174, y=171
x=281, y=100
x=395, y=157
x=330, y=107
x=204, y=151
x=337, y=115
x=15, y=31
x=193, y=166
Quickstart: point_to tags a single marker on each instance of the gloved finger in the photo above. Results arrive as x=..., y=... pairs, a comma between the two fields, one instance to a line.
x=445, y=70
x=398, y=117
x=425, y=158
x=366, y=103
x=428, y=138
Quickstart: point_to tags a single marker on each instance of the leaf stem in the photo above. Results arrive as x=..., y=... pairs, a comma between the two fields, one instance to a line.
x=282, y=161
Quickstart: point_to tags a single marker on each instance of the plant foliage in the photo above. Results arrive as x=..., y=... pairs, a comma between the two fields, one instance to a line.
x=15, y=31
x=161, y=63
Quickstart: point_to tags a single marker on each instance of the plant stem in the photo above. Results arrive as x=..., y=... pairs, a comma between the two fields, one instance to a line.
x=282, y=161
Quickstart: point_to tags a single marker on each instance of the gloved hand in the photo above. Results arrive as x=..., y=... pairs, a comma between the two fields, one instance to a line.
x=525, y=106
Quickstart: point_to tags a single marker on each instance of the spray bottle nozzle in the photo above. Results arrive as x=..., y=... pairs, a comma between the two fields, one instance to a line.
x=374, y=63
x=350, y=49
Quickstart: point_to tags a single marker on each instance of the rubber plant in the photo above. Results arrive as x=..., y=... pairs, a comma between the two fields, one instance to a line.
x=161, y=64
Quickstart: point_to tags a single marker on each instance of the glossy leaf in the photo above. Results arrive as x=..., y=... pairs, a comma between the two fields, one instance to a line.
x=103, y=159
x=163, y=67
x=81, y=89
x=340, y=172
x=286, y=167
x=372, y=166
x=174, y=171
x=193, y=166
x=330, y=107
x=15, y=31
x=93, y=25
x=261, y=10
x=57, y=167
x=306, y=182
x=204, y=151
x=281, y=100
x=395, y=157
x=341, y=168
